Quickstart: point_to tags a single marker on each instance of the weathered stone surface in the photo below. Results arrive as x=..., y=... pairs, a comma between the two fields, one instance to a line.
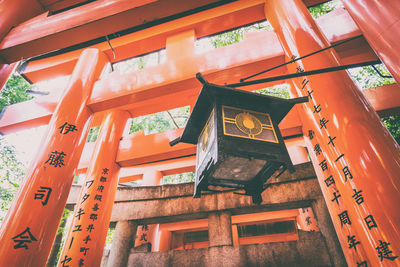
x=309, y=250
x=220, y=229
x=123, y=241
x=303, y=171
x=172, y=203
x=278, y=196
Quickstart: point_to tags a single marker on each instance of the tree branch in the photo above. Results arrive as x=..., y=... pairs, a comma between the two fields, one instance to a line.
x=173, y=120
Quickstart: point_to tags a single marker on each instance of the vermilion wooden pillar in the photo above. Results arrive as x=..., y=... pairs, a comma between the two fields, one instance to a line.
x=379, y=21
x=29, y=228
x=86, y=237
x=5, y=72
x=356, y=159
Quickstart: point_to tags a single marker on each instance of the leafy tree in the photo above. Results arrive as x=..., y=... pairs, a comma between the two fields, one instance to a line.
x=280, y=90
x=364, y=77
x=161, y=121
x=367, y=77
x=15, y=91
x=92, y=135
x=235, y=36
x=324, y=8
x=12, y=172
x=59, y=241
x=393, y=125
x=186, y=177
x=110, y=237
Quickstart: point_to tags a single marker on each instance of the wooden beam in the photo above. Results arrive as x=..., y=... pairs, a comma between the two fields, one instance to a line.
x=137, y=91
x=89, y=22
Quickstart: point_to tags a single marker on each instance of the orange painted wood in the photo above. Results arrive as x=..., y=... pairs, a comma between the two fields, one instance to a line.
x=14, y=12
x=385, y=99
x=87, y=22
x=140, y=148
x=166, y=167
x=93, y=212
x=84, y=15
x=30, y=226
x=5, y=72
x=379, y=21
x=337, y=26
x=371, y=155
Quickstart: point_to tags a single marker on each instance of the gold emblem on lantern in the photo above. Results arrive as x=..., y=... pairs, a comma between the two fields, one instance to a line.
x=248, y=124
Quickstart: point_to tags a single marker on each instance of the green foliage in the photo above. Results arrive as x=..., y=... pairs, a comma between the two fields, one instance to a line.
x=280, y=90
x=109, y=237
x=393, y=125
x=12, y=172
x=153, y=123
x=186, y=177
x=322, y=9
x=14, y=91
x=364, y=77
x=161, y=121
x=61, y=229
x=235, y=36
x=92, y=135
x=367, y=77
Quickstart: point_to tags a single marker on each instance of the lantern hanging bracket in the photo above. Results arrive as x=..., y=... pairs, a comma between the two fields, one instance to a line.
x=305, y=73
x=201, y=78
x=380, y=74
x=296, y=59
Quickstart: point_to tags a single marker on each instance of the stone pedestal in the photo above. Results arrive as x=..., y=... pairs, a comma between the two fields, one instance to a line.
x=124, y=237
x=220, y=229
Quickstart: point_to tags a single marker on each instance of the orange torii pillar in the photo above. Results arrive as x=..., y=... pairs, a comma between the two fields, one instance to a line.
x=379, y=21
x=86, y=237
x=5, y=72
x=356, y=159
x=29, y=228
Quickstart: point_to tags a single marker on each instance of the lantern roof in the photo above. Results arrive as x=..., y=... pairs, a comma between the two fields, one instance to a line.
x=210, y=93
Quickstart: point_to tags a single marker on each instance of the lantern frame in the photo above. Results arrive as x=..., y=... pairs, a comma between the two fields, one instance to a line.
x=256, y=156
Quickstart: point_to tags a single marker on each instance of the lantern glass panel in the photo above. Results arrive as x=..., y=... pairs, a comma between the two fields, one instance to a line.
x=239, y=169
x=248, y=124
x=206, y=139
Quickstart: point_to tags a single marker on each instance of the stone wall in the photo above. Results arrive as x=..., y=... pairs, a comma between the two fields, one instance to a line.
x=309, y=250
x=172, y=203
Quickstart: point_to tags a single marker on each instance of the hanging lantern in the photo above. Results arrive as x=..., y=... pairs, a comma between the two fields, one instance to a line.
x=239, y=144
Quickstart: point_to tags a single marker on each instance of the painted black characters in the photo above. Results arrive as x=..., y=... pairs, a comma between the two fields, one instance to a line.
x=44, y=194
x=66, y=128
x=21, y=240
x=56, y=159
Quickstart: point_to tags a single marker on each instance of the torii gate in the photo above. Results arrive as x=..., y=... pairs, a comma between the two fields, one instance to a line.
x=357, y=163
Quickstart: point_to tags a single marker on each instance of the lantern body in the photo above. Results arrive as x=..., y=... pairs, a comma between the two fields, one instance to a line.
x=239, y=144
x=238, y=147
